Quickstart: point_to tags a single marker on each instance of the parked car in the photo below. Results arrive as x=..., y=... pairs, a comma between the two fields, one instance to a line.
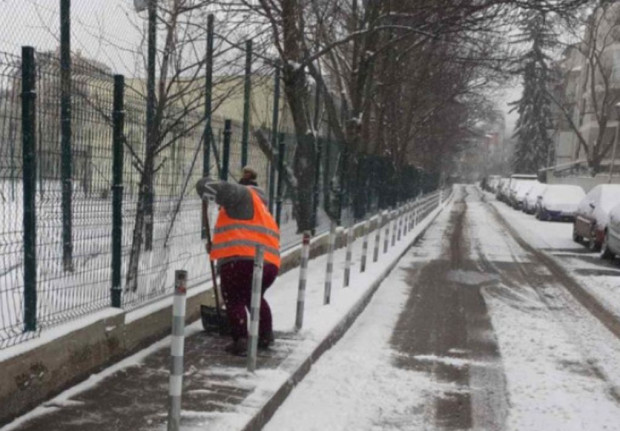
x=521, y=191
x=532, y=196
x=610, y=245
x=592, y=214
x=559, y=202
x=516, y=181
x=501, y=192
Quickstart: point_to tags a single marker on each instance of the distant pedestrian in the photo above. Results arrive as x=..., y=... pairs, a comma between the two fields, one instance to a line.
x=243, y=223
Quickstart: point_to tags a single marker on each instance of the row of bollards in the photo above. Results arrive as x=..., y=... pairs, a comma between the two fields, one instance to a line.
x=398, y=223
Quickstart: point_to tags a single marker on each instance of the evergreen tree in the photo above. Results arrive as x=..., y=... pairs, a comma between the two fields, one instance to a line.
x=534, y=145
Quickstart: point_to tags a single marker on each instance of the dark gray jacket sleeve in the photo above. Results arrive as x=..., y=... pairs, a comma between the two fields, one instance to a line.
x=235, y=198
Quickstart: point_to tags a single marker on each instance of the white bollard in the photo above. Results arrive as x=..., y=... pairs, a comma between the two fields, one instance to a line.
x=375, y=255
x=257, y=286
x=400, y=224
x=348, y=257
x=303, y=276
x=386, y=240
x=176, y=350
x=394, y=229
x=365, y=246
x=330, y=263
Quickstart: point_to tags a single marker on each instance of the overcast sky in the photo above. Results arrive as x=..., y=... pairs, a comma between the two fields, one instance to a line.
x=101, y=29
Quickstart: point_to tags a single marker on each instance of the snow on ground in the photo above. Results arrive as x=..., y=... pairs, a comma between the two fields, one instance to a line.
x=354, y=386
x=560, y=361
x=556, y=239
x=282, y=296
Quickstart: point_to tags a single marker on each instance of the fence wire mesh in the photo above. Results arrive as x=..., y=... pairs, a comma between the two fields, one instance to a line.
x=75, y=284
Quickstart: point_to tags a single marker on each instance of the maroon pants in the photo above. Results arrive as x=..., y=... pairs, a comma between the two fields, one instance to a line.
x=236, y=280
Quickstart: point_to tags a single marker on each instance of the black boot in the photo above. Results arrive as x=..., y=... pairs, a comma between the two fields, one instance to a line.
x=265, y=341
x=238, y=347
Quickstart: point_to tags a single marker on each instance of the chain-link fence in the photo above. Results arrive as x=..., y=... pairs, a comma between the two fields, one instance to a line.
x=72, y=189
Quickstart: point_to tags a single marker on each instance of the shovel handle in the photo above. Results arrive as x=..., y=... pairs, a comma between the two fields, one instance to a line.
x=205, y=219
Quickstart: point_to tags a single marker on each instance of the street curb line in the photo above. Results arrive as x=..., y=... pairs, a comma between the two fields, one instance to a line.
x=265, y=413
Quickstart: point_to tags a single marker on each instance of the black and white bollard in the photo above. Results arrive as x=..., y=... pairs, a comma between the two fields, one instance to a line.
x=394, y=229
x=386, y=239
x=176, y=350
x=257, y=285
x=365, y=245
x=375, y=255
x=348, y=256
x=303, y=277
x=330, y=263
x=400, y=223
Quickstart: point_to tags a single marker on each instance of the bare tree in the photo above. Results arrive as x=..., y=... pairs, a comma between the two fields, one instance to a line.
x=588, y=110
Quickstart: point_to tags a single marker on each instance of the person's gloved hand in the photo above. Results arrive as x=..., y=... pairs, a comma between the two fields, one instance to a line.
x=205, y=190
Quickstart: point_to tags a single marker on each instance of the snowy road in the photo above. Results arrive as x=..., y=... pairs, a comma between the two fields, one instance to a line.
x=475, y=329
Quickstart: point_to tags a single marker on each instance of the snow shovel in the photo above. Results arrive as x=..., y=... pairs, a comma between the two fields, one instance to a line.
x=213, y=319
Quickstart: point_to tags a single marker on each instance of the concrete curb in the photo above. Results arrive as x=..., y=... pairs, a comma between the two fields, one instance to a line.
x=268, y=409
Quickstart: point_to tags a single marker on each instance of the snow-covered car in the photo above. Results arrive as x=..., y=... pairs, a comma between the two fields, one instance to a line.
x=532, y=196
x=592, y=214
x=517, y=181
x=501, y=192
x=559, y=202
x=521, y=191
x=610, y=246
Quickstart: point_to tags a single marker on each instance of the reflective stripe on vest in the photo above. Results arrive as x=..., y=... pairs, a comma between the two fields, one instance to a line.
x=234, y=237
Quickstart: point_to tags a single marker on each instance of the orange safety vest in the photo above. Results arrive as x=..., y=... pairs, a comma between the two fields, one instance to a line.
x=234, y=237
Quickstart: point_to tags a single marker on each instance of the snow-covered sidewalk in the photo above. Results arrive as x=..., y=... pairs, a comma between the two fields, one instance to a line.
x=219, y=394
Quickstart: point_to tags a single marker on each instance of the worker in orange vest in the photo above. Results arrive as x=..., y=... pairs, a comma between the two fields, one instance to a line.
x=243, y=223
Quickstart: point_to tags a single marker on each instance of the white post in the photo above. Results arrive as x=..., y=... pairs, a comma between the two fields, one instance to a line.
x=303, y=276
x=394, y=218
x=176, y=350
x=365, y=245
x=375, y=256
x=399, y=214
x=348, y=258
x=257, y=285
x=386, y=240
x=330, y=263
x=406, y=220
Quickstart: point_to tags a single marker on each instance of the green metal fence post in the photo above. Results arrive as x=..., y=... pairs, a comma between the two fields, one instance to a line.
x=274, y=136
x=226, y=150
x=245, y=137
x=208, y=107
x=281, y=150
x=65, y=134
x=30, y=186
x=150, y=118
x=118, y=116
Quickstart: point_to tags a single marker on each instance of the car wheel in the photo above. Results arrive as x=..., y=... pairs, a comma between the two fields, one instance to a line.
x=577, y=238
x=593, y=245
x=606, y=253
